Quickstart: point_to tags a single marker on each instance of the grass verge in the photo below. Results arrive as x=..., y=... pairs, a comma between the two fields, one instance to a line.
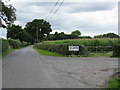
x=107, y=54
x=47, y=53
x=114, y=83
x=7, y=52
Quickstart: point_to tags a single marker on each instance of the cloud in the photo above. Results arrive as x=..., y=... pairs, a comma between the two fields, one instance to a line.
x=91, y=18
x=87, y=6
x=97, y=22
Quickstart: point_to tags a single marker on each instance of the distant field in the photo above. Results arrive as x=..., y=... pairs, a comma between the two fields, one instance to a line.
x=88, y=42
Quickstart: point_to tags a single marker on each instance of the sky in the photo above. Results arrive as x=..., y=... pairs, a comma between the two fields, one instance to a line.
x=91, y=17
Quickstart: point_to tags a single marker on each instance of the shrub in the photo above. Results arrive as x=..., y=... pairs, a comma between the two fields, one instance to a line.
x=116, y=50
x=92, y=45
x=61, y=48
x=15, y=43
x=24, y=44
x=5, y=45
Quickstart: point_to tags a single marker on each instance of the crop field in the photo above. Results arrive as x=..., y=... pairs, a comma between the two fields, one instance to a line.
x=88, y=42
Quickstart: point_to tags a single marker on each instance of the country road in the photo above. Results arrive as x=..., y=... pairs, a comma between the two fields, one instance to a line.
x=26, y=68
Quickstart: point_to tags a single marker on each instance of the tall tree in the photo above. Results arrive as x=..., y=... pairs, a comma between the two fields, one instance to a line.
x=38, y=29
x=108, y=35
x=13, y=31
x=7, y=14
x=75, y=34
x=16, y=32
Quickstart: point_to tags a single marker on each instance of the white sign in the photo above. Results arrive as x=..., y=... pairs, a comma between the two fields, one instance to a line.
x=73, y=48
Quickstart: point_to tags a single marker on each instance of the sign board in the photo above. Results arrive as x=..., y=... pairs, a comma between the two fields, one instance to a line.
x=73, y=48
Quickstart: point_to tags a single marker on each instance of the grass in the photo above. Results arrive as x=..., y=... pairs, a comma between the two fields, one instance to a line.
x=7, y=52
x=107, y=54
x=88, y=42
x=114, y=83
x=47, y=53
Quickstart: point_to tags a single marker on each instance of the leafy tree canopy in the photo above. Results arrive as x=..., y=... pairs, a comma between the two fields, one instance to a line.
x=16, y=32
x=7, y=14
x=76, y=32
x=38, y=29
x=108, y=35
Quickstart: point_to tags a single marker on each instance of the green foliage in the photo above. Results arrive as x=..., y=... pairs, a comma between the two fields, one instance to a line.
x=61, y=48
x=9, y=44
x=92, y=45
x=5, y=45
x=61, y=36
x=108, y=35
x=114, y=83
x=44, y=52
x=13, y=31
x=15, y=43
x=116, y=50
x=87, y=42
x=38, y=28
x=105, y=54
x=16, y=32
x=24, y=44
x=7, y=52
x=75, y=34
x=7, y=13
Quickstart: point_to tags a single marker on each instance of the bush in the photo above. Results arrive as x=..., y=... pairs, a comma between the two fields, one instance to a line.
x=5, y=45
x=92, y=45
x=24, y=44
x=15, y=43
x=61, y=48
x=116, y=50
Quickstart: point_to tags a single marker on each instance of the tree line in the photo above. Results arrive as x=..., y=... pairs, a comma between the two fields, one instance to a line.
x=61, y=36
x=38, y=29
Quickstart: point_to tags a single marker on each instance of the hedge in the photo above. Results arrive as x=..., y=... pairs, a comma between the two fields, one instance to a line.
x=14, y=43
x=61, y=48
x=116, y=50
x=5, y=45
x=11, y=43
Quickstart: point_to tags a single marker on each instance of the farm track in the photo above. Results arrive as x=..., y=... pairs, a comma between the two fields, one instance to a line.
x=26, y=68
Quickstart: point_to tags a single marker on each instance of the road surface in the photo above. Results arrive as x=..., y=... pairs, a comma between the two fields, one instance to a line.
x=26, y=68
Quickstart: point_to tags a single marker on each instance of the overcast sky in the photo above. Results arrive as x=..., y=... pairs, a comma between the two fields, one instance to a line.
x=91, y=18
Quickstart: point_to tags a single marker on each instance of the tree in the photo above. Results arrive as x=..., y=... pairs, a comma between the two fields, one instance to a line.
x=16, y=32
x=56, y=35
x=61, y=36
x=38, y=29
x=75, y=34
x=51, y=37
x=24, y=36
x=7, y=15
x=108, y=35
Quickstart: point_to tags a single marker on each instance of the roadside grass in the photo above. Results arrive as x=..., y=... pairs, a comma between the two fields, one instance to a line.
x=114, y=83
x=7, y=52
x=47, y=53
x=105, y=54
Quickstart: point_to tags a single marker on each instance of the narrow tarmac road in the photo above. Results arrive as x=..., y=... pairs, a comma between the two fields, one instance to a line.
x=26, y=68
